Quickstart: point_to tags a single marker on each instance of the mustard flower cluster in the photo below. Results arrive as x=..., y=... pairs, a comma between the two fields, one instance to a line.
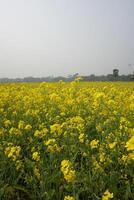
x=67, y=140
x=68, y=171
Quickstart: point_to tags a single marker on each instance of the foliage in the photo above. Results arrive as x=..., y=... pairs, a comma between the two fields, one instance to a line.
x=71, y=141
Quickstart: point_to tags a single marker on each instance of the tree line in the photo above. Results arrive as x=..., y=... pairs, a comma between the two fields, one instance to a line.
x=109, y=77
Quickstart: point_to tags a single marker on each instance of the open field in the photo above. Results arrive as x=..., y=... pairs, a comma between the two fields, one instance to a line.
x=67, y=141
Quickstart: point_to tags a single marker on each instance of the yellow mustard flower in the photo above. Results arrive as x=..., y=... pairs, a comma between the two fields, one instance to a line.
x=68, y=171
x=82, y=137
x=28, y=127
x=56, y=128
x=130, y=157
x=36, y=156
x=19, y=165
x=102, y=157
x=112, y=145
x=107, y=195
x=37, y=173
x=69, y=198
x=14, y=131
x=94, y=144
x=13, y=152
x=7, y=123
x=52, y=145
x=21, y=124
x=130, y=144
x=124, y=158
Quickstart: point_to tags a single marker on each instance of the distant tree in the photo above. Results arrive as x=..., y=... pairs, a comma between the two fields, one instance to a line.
x=75, y=75
x=115, y=73
x=69, y=76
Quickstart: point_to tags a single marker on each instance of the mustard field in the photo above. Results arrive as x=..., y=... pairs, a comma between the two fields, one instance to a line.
x=67, y=141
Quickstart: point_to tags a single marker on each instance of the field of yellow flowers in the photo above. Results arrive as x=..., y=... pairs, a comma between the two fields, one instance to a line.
x=67, y=141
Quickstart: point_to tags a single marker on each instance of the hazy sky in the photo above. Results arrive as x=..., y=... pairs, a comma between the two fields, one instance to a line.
x=62, y=37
